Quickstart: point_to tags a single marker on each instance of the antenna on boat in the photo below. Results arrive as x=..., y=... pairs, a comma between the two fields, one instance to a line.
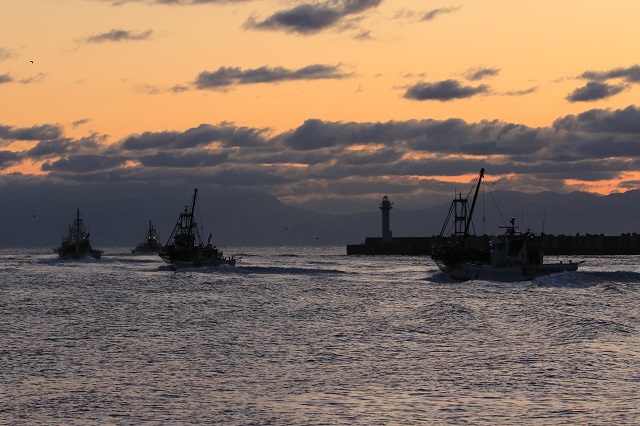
x=473, y=205
x=495, y=203
x=544, y=213
x=484, y=212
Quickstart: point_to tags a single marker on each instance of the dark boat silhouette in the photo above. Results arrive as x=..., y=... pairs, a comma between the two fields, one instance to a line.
x=151, y=243
x=513, y=256
x=185, y=248
x=77, y=245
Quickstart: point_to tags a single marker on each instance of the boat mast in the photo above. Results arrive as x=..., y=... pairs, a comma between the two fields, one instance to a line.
x=193, y=206
x=473, y=204
x=77, y=223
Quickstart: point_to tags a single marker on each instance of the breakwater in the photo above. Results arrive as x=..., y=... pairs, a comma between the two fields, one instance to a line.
x=586, y=245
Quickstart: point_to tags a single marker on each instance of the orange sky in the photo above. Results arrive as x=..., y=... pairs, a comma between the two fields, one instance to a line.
x=120, y=87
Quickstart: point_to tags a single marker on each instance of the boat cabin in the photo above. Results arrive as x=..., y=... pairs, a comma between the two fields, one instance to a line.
x=515, y=248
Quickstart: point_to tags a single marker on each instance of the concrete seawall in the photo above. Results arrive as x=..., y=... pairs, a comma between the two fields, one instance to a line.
x=587, y=245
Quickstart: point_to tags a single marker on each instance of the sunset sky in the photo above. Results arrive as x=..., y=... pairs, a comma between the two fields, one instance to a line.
x=326, y=105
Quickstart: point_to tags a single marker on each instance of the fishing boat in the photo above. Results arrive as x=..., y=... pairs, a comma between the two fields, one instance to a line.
x=77, y=245
x=151, y=243
x=513, y=256
x=185, y=248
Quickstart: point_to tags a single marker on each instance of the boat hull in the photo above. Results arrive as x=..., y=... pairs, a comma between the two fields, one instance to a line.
x=466, y=271
x=196, y=257
x=140, y=249
x=185, y=247
x=151, y=245
x=76, y=245
x=76, y=255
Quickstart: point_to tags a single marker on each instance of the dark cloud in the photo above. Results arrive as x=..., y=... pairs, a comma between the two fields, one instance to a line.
x=275, y=153
x=630, y=184
x=594, y=91
x=184, y=160
x=480, y=73
x=550, y=174
x=36, y=78
x=480, y=139
x=303, y=19
x=9, y=158
x=58, y=147
x=598, y=88
x=80, y=122
x=434, y=136
x=312, y=18
x=387, y=155
x=80, y=164
x=333, y=150
x=432, y=14
x=179, y=88
x=251, y=176
x=227, y=76
x=318, y=134
x=337, y=158
x=601, y=121
x=443, y=91
x=314, y=134
x=630, y=74
x=201, y=136
x=117, y=36
x=7, y=78
x=51, y=148
x=521, y=92
x=34, y=133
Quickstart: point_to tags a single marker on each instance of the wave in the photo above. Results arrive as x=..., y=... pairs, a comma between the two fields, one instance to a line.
x=247, y=270
x=284, y=270
x=441, y=318
x=442, y=309
x=608, y=280
x=143, y=260
x=575, y=327
x=617, y=276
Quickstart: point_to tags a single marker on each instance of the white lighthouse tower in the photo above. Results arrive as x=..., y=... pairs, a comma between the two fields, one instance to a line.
x=386, y=207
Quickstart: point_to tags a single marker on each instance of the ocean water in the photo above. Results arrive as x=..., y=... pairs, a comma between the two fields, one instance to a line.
x=310, y=336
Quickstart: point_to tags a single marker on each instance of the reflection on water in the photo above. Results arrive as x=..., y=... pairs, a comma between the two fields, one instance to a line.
x=313, y=337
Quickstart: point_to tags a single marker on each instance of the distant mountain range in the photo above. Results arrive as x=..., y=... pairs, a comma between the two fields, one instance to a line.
x=39, y=217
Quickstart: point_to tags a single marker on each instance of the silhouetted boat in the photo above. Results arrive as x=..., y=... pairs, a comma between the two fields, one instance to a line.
x=76, y=245
x=185, y=248
x=151, y=244
x=514, y=256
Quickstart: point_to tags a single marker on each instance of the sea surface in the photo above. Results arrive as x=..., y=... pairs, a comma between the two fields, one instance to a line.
x=311, y=336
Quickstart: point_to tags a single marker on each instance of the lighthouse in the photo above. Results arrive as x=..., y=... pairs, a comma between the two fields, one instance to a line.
x=386, y=207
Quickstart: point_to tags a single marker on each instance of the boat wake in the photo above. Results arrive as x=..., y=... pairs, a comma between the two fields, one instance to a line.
x=131, y=260
x=283, y=270
x=441, y=278
x=203, y=269
x=608, y=280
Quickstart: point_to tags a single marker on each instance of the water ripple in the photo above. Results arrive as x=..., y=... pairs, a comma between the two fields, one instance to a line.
x=313, y=338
